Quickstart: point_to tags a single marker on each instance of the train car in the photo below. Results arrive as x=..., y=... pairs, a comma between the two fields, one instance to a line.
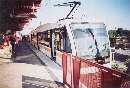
x=33, y=38
x=83, y=39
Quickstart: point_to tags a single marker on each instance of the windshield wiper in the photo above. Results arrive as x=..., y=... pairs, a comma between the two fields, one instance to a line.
x=98, y=53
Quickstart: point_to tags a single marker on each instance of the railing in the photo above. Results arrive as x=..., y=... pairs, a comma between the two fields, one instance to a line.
x=79, y=73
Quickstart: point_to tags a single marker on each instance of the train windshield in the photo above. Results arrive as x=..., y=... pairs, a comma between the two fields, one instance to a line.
x=91, y=41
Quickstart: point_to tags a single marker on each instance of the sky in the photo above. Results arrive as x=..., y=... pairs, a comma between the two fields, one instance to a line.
x=114, y=13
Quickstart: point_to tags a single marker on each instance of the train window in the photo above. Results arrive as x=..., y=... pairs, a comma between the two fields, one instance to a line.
x=101, y=37
x=40, y=36
x=68, y=45
x=84, y=42
x=58, y=41
x=90, y=40
x=65, y=42
x=44, y=39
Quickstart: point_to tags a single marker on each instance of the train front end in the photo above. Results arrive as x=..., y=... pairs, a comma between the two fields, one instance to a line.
x=91, y=40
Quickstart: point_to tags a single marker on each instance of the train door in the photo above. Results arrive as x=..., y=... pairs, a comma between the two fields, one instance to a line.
x=62, y=40
x=59, y=42
x=53, y=45
x=65, y=41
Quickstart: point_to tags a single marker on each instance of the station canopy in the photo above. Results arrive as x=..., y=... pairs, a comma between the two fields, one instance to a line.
x=14, y=14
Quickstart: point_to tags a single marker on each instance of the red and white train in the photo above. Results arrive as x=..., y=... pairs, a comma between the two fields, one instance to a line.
x=82, y=39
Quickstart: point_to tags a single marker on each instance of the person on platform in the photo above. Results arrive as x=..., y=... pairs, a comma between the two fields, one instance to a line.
x=13, y=43
x=1, y=40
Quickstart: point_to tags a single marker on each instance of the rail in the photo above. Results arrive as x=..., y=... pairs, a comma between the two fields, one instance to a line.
x=79, y=73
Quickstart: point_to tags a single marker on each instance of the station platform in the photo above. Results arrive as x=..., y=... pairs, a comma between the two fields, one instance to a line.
x=30, y=68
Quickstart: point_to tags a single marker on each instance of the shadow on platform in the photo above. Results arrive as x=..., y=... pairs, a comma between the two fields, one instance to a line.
x=25, y=55
x=32, y=82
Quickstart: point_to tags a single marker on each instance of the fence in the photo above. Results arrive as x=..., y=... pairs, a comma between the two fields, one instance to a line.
x=79, y=73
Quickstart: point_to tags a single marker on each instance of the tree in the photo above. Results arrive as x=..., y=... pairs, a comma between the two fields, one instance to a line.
x=112, y=34
x=119, y=31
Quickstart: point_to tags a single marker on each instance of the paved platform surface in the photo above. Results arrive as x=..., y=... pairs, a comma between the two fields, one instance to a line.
x=24, y=54
x=5, y=54
x=31, y=82
x=52, y=67
x=29, y=71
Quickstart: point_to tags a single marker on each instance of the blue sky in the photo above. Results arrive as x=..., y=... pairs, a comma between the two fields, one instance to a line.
x=114, y=13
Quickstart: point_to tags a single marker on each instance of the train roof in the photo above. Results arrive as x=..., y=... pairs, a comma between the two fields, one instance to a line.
x=50, y=26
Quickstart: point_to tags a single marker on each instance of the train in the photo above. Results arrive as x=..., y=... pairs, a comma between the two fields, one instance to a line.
x=88, y=40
